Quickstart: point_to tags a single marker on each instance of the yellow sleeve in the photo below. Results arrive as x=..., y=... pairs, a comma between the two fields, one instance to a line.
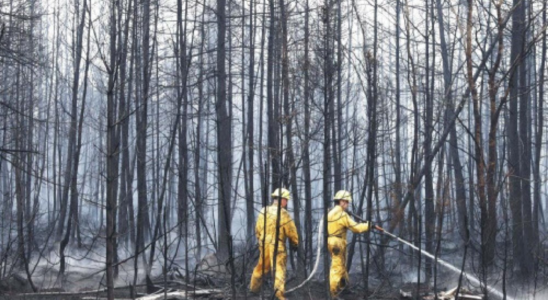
x=259, y=227
x=354, y=226
x=291, y=230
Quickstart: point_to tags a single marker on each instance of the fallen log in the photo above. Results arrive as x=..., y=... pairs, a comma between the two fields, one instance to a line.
x=463, y=294
x=406, y=293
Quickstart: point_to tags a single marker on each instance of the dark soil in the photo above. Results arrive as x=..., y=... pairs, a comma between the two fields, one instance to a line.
x=312, y=291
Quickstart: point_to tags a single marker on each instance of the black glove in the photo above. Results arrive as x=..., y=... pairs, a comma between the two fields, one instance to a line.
x=375, y=226
x=294, y=248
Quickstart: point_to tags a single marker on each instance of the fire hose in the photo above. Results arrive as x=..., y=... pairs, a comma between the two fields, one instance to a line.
x=442, y=262
x=470, y=277
x=316, y=264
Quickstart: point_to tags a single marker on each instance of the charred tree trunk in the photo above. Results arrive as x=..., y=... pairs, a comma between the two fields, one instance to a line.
x=199, y=212
x=427, y=144
x=336, y=111
x=478, y=140
x=306, y=143
x=272, y=104
x=516, y=192
x=460, y=187
x=327, y=117
x=396, y=209
x=525, y=148
x=288, y=119
x=372, y=99
x=224, y=150
x=75, y=142
x=537, y=208
x=143, y=221
x=250, y=125
x=489, y=236
x=182, y=186
x=112, y=155
x=124, y=205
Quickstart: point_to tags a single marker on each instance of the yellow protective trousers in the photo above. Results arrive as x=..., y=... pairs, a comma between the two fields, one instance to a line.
x=265, y=264
x=338, y=276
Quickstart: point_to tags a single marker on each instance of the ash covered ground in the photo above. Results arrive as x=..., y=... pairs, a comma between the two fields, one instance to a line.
x=85, y=273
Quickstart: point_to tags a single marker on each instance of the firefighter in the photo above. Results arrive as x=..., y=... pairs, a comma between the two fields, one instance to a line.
x=338, y=223
x=266, y=236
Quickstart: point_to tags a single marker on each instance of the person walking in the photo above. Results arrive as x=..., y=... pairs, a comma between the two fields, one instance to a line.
x=274, y=221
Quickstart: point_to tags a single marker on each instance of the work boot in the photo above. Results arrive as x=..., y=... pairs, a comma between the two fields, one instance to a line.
x=254, y=293
x=346, y=292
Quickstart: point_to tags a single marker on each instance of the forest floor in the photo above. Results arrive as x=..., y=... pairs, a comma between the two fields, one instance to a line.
x=379, y=289
x=314, y=290
x=86, y=276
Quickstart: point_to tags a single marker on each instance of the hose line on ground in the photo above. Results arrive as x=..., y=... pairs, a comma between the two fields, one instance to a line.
x=316, y=264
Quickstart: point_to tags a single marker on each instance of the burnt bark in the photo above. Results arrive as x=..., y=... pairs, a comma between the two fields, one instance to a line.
x=224, y=150
x=111, y=156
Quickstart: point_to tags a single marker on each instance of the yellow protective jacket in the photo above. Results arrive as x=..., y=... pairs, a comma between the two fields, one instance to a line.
x=288, y=230
x=338, y=222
